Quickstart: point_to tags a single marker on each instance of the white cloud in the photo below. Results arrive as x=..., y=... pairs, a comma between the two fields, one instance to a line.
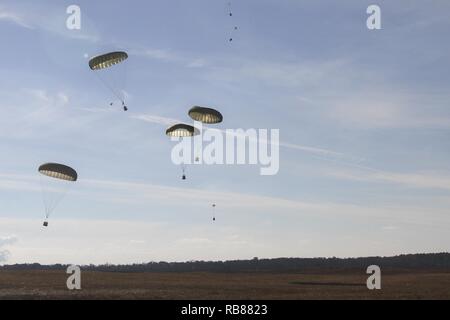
x=4, y=254
x=9, y=240
x=6, y=241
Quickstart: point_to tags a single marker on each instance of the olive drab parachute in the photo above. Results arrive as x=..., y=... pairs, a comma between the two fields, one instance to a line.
x=107, y=60
x=58, y=171
x=56, y=180
x=205, y=115
x=112, y=76
x=182, y=130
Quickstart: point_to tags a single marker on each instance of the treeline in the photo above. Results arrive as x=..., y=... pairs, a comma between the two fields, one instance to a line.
x=439, y=261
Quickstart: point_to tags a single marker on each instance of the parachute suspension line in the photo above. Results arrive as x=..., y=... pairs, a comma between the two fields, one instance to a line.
x=115, y=76
x=58, y=180
x=123, y=85
x=51, y=202
x=44, y=198
x=115, y=92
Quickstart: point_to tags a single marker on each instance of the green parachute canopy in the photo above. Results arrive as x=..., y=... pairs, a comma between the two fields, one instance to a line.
x=58, y=171
x=107, y=60
x=205, y=115
x=182, y=130
x=110, y=69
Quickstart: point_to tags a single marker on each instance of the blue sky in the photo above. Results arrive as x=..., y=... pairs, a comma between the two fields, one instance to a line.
x=363, y=115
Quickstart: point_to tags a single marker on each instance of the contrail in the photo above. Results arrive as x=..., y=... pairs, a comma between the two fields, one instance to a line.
x=322, y=153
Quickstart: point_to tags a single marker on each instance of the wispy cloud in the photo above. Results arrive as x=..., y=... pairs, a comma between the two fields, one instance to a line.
x=134, y=193
x=180, y=241
x=9, y=240
x=168, y=56
x=157, y=54
x=411, y=180
x=342, y=91
x=46, y=19
x=43, y=96
x=321, y=152
x=197, y=63
x=391, y=110
x=30, y=111
x=389, y=228
x=155, y=119
x=15, y=18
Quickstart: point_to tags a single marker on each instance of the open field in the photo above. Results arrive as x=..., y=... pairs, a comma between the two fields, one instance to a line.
x=324, y=285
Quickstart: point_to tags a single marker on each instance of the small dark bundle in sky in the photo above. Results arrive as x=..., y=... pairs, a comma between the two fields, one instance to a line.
x=230, y=13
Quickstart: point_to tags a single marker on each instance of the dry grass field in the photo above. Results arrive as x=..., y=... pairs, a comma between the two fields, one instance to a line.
x=212, y=286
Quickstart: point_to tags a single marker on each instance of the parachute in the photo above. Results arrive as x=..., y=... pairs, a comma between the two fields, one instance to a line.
x=107, y=60
x=56, y=180
x=112, y=76
x=214, y=212
x=182, y=130
x=205, y=115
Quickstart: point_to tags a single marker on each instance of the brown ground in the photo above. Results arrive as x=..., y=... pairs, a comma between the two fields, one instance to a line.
x=96, y=285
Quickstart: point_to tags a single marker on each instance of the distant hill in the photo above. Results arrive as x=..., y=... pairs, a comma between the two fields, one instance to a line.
x=438, y=261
